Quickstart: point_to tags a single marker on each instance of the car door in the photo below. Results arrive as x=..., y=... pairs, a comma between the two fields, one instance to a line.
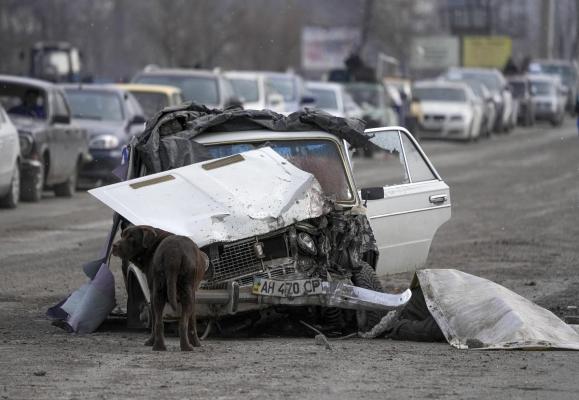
x=63, y=141
x=6, y=158
x=414, y=204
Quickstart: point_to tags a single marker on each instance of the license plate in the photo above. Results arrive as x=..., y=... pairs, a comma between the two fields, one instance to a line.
x=291, y=288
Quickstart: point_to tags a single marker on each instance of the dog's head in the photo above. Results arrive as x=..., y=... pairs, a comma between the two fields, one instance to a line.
x=134, y=241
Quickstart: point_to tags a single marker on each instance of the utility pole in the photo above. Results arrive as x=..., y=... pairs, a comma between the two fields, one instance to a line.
x=547, y=28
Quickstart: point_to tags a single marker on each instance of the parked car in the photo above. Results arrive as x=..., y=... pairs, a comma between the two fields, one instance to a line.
x=450, y=110
x=277, y=91
x=9, y=162
x=521, y=90
x=111, y=116
x=334, y=99
x=53, y=150
x=496, y=83
x=209, y=88
x=153, y=98
x=549, y=98
x=294, y=248
x=486, y=99
x=377, y=107
x=566, y=71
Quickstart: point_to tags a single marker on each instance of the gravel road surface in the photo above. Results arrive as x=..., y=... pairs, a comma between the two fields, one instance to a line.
x=515, y=221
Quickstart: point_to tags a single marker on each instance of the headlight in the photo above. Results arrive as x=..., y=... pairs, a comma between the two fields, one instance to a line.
x=26, y=143
x=306, y=243
x=104, y=142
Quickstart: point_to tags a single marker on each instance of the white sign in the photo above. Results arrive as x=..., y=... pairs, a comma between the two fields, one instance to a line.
x=324, y=49
x=435, y=52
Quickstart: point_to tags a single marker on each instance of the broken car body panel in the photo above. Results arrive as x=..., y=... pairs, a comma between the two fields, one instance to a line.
x=222, y=200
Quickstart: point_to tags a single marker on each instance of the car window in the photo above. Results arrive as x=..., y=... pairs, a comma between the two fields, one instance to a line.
x=100, y=105
x=440, y=94
x=151, y=102
x=382, y=165
x=60, y=107
x=325, y=98
x=200, y=89
x=319, y=157
x=23, y=100
x=246, y=89
x=283, y=85
x=417, y=166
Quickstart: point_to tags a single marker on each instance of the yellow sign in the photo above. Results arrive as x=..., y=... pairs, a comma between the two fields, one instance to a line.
x=486, y=51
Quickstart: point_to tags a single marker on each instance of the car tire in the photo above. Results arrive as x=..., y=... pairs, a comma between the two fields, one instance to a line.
x=31, y=189
x=10, y=200
x=366, y=278
x=68, y=187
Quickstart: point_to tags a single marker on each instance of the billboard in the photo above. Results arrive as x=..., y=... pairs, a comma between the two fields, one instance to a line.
x=435, y=52
x=486, y=51
x=327, y=48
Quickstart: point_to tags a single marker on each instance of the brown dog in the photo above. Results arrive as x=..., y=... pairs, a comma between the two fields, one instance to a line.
x=174, y=266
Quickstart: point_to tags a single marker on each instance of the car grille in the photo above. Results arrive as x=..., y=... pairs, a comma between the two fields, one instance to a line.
x=232, y=260
x=434, y=117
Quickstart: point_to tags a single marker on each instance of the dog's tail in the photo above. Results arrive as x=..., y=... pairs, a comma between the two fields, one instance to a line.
x=172, y=290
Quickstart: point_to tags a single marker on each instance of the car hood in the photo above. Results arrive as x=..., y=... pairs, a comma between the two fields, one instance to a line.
x=221, y=200
x=443, y=107
x=31, y=125
x=97, y=128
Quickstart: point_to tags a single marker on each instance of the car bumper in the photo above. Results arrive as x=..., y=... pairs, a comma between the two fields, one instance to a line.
x=29, y=169
x=102, y=164
x=448, y=130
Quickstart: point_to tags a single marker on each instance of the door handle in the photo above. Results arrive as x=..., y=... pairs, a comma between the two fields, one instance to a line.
x=437, y=198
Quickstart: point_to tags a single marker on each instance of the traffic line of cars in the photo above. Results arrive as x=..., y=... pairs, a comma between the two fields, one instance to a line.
x=469, y=103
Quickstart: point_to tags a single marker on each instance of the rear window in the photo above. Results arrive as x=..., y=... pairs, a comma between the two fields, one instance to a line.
x=200, y=89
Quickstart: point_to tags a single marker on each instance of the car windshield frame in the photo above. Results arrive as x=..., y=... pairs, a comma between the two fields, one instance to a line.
x=74, y=110
x=239, y=146
x=439, y=92
x=212, y=99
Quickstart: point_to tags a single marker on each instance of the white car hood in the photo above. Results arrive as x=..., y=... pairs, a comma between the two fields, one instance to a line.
x=443, y=107
x=221, y=200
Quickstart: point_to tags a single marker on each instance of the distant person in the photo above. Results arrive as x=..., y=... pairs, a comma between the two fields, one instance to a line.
x=32, y=105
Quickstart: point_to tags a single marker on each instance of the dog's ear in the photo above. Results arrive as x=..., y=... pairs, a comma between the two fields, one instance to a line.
x=149, y=236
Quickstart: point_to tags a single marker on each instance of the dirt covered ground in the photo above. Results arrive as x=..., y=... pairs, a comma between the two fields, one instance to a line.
x=515, y=221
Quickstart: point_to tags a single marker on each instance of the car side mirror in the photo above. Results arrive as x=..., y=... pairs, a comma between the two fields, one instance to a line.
x=307, y=99
x=61, y=119
x=137, y=120
x=372, y=193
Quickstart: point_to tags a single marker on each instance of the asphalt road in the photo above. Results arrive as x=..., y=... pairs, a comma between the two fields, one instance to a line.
x=515, y=221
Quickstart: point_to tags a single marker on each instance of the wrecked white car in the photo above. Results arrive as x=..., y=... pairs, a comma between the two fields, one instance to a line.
x=294, y=220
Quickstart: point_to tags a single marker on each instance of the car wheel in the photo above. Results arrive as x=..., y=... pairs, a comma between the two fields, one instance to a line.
x=13, y=195
x=67, y=188
x=366, y=278
x=32, y=188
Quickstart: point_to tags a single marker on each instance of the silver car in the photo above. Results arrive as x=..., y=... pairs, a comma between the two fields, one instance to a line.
x=549, y=98
x=9, y=162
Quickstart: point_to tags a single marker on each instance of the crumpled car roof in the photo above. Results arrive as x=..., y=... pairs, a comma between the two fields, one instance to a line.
x=168, y=139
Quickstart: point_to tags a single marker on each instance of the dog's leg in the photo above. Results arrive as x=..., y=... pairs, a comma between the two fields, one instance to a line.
x=158, y=329
x=193, y=338
x=184, y=320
